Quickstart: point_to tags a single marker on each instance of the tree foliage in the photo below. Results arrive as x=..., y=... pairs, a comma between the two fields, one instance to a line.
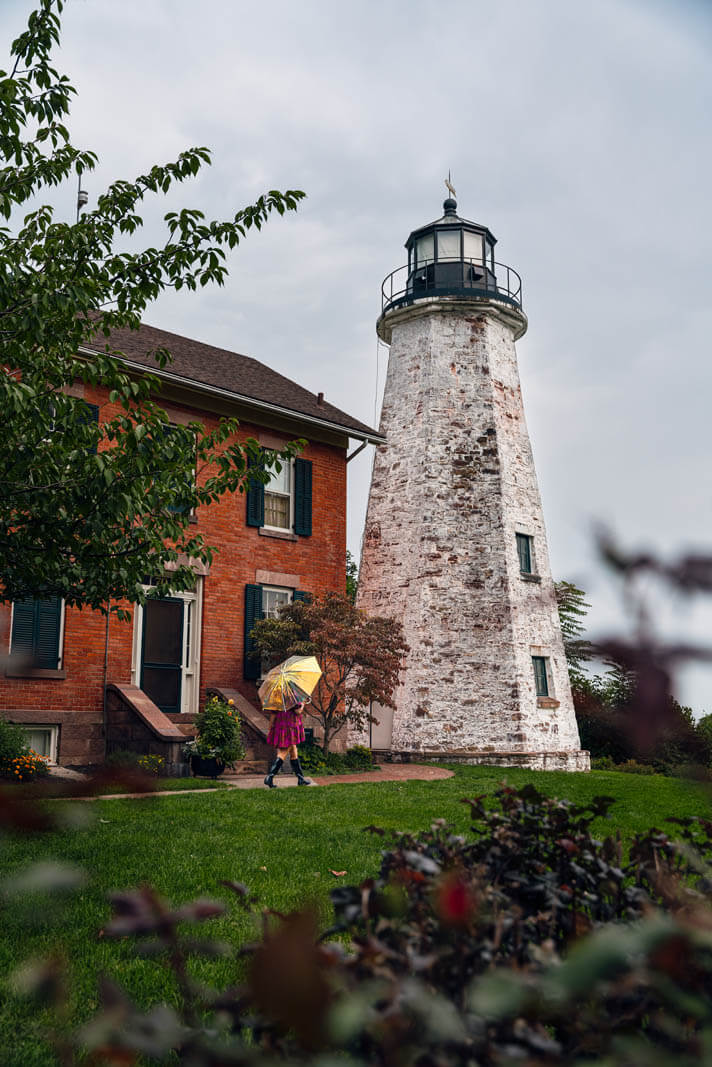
x=351, y=577
x=573, y=609
x=89, y=509
x=360, y=655
x=603, y=703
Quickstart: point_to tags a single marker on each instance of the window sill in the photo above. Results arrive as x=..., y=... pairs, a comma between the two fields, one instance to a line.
x=547, y=702
x=527, y=577
x=281, y=535
x=34, y=672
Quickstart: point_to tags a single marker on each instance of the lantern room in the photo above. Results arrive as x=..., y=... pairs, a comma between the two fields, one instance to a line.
x=451, y=257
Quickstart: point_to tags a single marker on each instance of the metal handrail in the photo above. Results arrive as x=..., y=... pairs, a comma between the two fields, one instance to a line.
x=406, y=284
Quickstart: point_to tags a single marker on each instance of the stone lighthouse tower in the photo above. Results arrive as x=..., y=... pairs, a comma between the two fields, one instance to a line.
x=454, y=545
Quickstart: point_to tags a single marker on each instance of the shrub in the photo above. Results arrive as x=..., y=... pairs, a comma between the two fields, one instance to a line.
x=528, y=940
x=315, y=761
x=13, y=742
x=151, y=763
x=358, y=757
x=218, y=729
x=26, y=767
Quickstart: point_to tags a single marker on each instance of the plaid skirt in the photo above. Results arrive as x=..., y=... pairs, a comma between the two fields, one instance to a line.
x=286, y=729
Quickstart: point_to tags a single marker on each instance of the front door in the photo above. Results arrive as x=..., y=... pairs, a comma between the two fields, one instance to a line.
x=162, y=648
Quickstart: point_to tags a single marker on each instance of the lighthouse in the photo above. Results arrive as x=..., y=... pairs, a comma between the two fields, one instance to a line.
x=454, y=545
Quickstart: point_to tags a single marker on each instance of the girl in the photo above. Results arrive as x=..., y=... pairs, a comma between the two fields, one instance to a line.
x=286, y=731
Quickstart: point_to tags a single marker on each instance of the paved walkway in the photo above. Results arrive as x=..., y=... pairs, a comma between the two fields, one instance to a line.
x=391, y=772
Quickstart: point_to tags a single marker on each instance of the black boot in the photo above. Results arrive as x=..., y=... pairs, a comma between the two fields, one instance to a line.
x=297, y=768
x=274, y=769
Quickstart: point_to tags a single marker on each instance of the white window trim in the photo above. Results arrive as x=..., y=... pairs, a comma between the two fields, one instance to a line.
x=53, y=737
x=290, y=525
x=551, y=695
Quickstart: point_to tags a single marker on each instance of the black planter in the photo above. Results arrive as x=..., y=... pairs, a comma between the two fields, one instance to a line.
x=206, y=766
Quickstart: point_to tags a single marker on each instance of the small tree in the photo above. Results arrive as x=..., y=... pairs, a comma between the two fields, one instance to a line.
x=573, y=608
x=360, y=655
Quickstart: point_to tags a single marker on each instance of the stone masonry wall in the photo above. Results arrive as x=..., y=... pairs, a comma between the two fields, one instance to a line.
x=450, y=489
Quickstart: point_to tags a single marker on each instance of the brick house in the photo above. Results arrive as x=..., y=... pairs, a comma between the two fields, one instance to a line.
x=82, y=687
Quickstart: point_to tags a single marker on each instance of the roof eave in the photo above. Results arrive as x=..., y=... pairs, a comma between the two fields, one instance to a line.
x=263, y=405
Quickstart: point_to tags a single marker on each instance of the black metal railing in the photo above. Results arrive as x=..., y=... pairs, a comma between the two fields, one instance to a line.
x=456, y=277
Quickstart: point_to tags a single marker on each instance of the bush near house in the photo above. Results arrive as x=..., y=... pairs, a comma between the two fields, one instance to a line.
x=18, y=761
x=315, y=760
x=218, y=729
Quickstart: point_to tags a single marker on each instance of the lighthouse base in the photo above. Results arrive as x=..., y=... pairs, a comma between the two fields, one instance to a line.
x=575, y=760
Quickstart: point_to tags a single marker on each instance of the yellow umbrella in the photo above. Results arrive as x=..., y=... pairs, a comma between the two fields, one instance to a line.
x=290, y=683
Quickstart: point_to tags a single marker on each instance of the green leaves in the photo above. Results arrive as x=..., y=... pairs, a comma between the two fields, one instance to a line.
x=87, y=511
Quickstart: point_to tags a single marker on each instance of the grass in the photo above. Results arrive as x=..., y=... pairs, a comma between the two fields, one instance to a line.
x=282, y=843
x=48, y=787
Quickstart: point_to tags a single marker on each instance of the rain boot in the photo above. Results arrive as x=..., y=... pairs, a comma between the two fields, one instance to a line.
x=274, y=769
x=297, y=768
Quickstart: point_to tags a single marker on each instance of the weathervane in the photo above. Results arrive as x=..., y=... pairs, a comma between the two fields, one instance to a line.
x=450, y=189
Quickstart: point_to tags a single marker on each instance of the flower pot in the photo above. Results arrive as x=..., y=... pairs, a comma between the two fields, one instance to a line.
x=206, y=766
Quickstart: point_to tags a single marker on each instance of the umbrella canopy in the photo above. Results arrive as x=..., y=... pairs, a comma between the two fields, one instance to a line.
x=290, y=683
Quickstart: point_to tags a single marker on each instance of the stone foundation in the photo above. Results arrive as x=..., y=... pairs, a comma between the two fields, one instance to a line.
x=578, y=760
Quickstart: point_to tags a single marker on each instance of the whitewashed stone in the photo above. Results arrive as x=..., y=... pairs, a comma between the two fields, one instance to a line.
x=450, y=489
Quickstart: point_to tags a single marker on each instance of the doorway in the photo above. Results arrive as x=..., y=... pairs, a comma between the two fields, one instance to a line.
x=162, y=652
x=166, y=654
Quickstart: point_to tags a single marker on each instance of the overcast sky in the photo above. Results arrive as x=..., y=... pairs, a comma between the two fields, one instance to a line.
x=579, y=133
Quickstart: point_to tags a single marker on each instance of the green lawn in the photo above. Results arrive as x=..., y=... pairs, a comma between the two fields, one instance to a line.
x=280, y=842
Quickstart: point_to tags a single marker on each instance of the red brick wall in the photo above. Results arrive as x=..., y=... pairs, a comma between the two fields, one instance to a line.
x=319, y=561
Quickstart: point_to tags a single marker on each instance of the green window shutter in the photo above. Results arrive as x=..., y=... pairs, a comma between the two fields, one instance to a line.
x=253, y=613
x=299, y=594
x=23, y=628
x=36, y=627
x=48, y=622
x=256, y=501
x=89, y=413
x=303, y=497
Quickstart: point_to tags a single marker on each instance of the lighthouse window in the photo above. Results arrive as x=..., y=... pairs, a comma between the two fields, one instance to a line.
x=425, y=249
x=473, y=247
x=541, y=679
x=449, y=244
x=524, y=551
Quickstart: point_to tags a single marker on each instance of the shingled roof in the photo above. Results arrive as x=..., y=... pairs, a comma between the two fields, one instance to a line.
x=244, y=377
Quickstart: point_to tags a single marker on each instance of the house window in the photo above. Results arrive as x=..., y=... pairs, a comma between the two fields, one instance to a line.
x=284, y=504
x=541, y=675
x=263, y=601
x=525, y=553
x=42, y=740
x=273, y=599
x=279, y=507
x=36, y=633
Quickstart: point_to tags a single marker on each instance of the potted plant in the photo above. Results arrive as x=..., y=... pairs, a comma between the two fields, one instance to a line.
x=218, y=742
